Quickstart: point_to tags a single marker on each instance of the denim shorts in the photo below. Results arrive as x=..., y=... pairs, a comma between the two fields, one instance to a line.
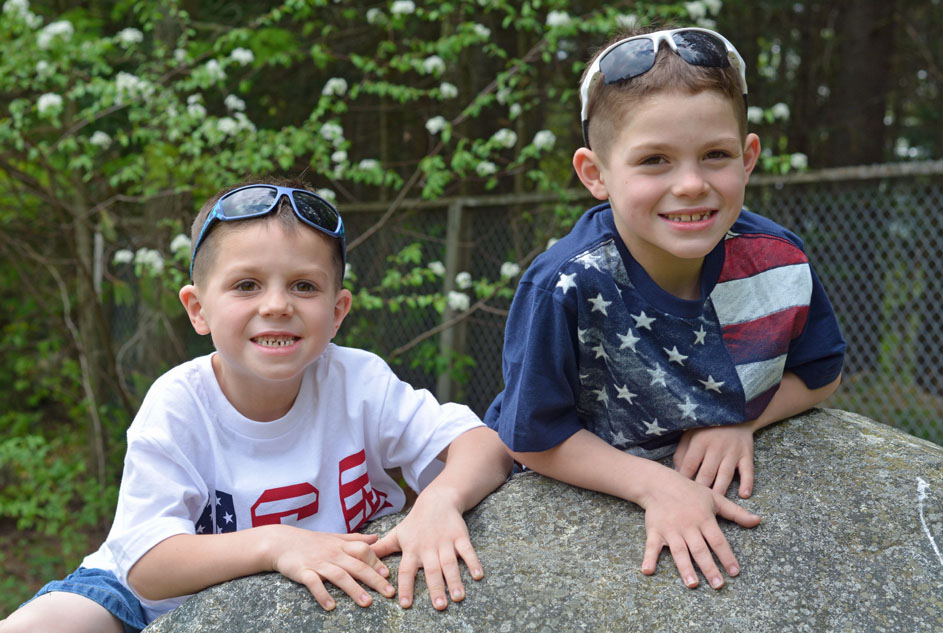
x=102, y=587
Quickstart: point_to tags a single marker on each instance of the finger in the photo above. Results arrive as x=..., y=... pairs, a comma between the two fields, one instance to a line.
x=653, y=547
x=721, y=548
x=682, y=450
x=341, y=578
x=724, y=476
x=679, y=552
x=433, y=571
x=451, y=572
x=746, y=476
x=310, y=579
x=408, y=567
x=730, y=510
x=707, y=473
x=468, y=554
x=692, y=460
x=387, y=545
x=357, y=536
x=701, y=553
x=365, y=553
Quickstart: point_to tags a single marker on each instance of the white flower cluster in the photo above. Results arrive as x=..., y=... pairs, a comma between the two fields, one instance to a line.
x=100, y=139
x=180, y=244
x=335, y=86
x=482, y=31
x=62, y=29
x=374, y=16
x=447, y=90
x=195, y=107
x=486, y=168
x=124, y=256
x=755, y=114
x=368, y=164
x=436, y=124
x=781, y=111
x=242, y=56
x=799, y=161
x=20, y=9
x=339, y=156
x=131, y=87
x=628, y=21
x=463, y=280
x=505, y=137
x=215, y=70
x=437, y=268
x=129, y=36
x=544, y=140
x=510, y=270
x=234, y=103
x=403, y=7
x=327, y=194
x=333, y=133
x=149, y=259
x=558, y=18
x=433, y=65
x=49, y=104
x=458, y=301
x=700, y=10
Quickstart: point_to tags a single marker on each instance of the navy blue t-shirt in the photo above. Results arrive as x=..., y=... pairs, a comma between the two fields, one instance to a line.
x=593, y=343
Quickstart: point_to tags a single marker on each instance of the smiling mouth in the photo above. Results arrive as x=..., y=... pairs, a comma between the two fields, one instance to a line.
x=681, y=218
x=275, y=341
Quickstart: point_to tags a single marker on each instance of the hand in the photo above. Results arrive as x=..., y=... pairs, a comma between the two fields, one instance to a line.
x=713, y=454
x=681, y=514
x=429, y=537
x=310, y=558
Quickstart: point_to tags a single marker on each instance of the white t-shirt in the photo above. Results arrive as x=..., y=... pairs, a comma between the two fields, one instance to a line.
x=195, y=465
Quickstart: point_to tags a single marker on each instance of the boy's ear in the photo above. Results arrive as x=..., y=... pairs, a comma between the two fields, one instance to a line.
x=191, y=303
x=751, y=153
x=341, y=308
x=589, y=170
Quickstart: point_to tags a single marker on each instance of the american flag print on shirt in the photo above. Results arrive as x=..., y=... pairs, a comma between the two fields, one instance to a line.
x=646, y=374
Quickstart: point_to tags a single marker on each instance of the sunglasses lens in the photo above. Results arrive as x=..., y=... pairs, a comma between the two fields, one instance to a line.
x=627, y=60
x=248, y=202
x=316, y=211
x=701, y=49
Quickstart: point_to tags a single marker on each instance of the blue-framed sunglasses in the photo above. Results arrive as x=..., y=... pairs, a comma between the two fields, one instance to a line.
x=253, y=201
x=635, y=56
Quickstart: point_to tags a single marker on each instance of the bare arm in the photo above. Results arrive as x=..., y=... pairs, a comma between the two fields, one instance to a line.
x=476, y=463
x=188, y=563
x=679, y=513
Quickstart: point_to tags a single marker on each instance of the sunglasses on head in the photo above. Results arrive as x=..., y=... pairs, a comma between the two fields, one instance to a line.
x=253, y=201
x=635, y=56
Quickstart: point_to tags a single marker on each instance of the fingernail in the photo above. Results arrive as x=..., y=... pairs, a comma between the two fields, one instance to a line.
x=388, y=590
x=329, y=605
x=440, y=603
x=717, y=582
x=734, y=570
x=364, y=599
x=477, y=573
x=457, y=594
x=690, y=581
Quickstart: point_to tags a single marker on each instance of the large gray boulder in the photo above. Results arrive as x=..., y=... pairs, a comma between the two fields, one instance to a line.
x=851, y=540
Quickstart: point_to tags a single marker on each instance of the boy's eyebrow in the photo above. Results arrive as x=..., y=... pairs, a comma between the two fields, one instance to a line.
x=656, y=145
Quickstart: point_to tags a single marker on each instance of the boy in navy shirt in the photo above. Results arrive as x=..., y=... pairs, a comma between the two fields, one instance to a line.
x=669, y=320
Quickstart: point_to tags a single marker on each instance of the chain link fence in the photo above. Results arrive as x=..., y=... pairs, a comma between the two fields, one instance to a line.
x=873, y=234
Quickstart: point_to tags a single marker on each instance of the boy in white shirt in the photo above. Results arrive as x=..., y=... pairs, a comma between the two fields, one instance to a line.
x=270, y=454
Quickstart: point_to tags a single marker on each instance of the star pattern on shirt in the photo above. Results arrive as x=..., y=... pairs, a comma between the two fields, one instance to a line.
x=600, y=304
x=642, y=320
x=652, y=428
x=624, y=393
x=711, y=385
x=581, y=335
x=658, y=376
x=227, y=518
x=628, y=340
x=699, y=336
x=566, y=281
x=687, y=409
x=590, y=261
x=602, y=395
x=619, y=440
x=601, y=352
x=674, y=356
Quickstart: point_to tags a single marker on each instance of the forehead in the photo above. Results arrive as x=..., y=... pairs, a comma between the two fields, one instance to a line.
x=679, y=113
x=269, y=243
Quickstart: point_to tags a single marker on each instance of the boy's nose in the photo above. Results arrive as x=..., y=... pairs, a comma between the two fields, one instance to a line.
x=275, y=302
x=690, y=183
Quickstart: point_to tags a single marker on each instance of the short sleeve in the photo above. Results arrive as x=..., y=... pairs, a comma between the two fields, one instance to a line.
x=817, y=354
x=537, y=409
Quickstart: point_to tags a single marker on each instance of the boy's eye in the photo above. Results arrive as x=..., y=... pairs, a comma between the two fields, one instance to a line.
x=246, y=285
x=652, y=160
x=718, y=154
x=305, y=286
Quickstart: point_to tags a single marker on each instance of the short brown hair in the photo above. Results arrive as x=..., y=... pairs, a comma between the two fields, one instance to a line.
x=609, y=104
x=284, y=214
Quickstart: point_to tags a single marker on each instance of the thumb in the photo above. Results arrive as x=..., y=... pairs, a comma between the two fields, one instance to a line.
x=730, y=510
x=387, y=545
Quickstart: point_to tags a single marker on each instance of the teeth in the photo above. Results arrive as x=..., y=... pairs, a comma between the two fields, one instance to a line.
x=689, y=217
x=273, y=341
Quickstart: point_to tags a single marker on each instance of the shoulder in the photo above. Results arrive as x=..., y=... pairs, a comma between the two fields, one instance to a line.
x=176, y=400
x=751, y=224
x=350, y=363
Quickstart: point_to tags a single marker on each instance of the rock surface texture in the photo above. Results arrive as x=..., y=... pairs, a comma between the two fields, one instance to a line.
x=851, y=540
